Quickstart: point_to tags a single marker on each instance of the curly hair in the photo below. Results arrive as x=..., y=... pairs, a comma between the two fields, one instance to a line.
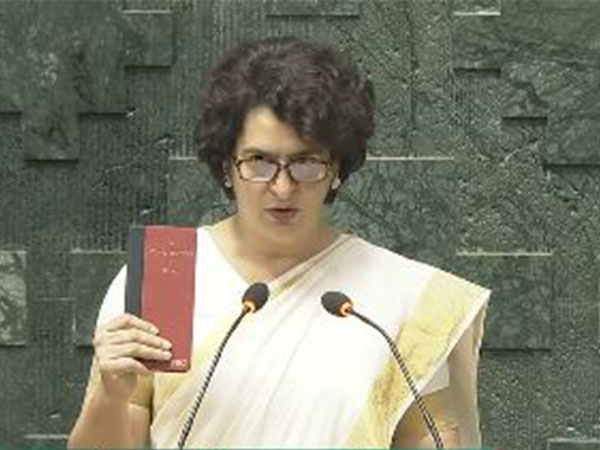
x=313, y=88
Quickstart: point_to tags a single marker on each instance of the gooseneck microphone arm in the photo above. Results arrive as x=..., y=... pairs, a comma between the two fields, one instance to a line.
x=338, y=304
x=185, y=431
x=407, y=376
x=254, y=298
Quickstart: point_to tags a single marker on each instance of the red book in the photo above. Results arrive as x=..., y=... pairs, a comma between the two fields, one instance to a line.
x=161, y=287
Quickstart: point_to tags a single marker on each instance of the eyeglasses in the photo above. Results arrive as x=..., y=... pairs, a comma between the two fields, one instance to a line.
x=259, y=169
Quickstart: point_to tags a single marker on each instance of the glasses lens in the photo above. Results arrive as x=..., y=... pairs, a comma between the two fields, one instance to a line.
x=308, y=170
x=257, y=169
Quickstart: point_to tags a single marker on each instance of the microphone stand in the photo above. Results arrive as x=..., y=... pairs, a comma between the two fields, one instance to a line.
x=185, y=431
x=418, y=399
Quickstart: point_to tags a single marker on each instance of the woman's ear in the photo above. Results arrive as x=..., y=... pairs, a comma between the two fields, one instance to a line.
x=336, y=183
x=227, y=175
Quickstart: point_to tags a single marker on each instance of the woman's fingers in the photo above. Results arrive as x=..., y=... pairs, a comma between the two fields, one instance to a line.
x=128, y=328
x=121, y=366
x=136, y=350
x=129, y=321
x=125, y=339
x=137, y=335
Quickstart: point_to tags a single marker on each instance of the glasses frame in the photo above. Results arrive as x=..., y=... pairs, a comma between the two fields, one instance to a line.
x=237, y=162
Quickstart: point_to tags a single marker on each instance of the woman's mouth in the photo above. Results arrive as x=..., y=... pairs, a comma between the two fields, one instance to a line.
x=283, y=215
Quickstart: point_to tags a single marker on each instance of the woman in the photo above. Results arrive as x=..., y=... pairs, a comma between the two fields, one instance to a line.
x=285, y=122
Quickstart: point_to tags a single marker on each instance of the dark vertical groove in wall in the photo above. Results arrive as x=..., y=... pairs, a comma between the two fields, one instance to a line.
x=414, y=67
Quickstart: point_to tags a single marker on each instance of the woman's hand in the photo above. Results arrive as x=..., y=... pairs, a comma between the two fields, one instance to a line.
x=117, y=346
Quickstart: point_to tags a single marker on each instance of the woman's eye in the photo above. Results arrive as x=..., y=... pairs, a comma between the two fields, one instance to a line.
x=302, y=160
x=307, y=161
x=258, y=158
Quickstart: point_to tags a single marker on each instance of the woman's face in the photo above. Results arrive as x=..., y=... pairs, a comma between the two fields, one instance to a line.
x=282, y=207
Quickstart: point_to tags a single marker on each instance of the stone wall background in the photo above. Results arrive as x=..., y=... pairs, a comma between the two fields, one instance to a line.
x=485, y=163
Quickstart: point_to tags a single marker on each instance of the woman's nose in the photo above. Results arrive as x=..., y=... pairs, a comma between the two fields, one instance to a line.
x=283, y=184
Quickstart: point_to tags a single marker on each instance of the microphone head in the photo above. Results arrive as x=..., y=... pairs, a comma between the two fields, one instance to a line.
x=255, y=296
x=337, y=303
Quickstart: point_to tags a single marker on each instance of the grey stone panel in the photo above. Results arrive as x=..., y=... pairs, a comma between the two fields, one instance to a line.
x=553, y=7
x=50, y=131
x=160, y=117
x=13, y=298
x=53, y=400
x=564, y=392
x=312, y=8
x=40, y=218
x=524, y=139
x=38, y=200
x=568, y=26
x=406, y=205
x=519, y=312
x=91, y=275
x=527, y=31
x=526, y=398
x=477, y=115
x=11, y=166
x=163, y=102
x=42, y=386
x=504, y=208
x=575, y=214
x=194, y=198
x=52, y=321
x=431, y=83
x=45, y=440
x=122, y=182
x=556, y=87
x=7, y=104
x=151, y=40
x=233, y=22
x=565, y=93
x=16, y=395
x=385, y=25
x=545, y=73
x=526, y=90
x=52, y=76
x=475, y=6
x=147, y=5
x=478, y=42
x=403, y=46
x=48, y=272
x=573, y=140
x=504, y=385
x=503, y=192
x=573, y=444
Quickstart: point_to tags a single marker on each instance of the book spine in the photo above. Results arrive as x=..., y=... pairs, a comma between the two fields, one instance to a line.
x=135, y=269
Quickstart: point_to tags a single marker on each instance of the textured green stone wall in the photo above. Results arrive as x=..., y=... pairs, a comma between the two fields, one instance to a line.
x=485, y=163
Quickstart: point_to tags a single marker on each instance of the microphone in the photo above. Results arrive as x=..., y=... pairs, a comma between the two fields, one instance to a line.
x=253, y=299
x=340, y=305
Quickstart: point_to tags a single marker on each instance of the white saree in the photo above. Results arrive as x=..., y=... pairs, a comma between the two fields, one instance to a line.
x=292, y=375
